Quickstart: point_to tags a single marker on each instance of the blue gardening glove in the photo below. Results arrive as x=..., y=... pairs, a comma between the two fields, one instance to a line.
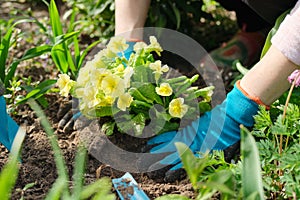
x=128, y=51
x=11, y=135
x=215, y=130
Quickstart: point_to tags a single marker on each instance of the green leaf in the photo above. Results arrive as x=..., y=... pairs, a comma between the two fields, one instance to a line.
x=108, y=127
x=243, y=70
x=8, y=177
x=145, y=92
x=251, y=174
x=222, y=181
x=65, y=37
x=57, y=189
x=59, y=57
x=193, y=166
x=38, y=91
x=79, y=168
x=29, y=54
x=102, y=189
x=85, y=52
x=35, y=52
x=4, y=47
x=55, y=21
x=101, y=112
x=177, y=14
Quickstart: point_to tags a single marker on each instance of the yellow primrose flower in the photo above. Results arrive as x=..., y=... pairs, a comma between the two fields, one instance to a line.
x=65, y=84
x=113, y=85
x=177, y=108
x=88, y=96
x=84, y=74
x=158, y=70
x=91, y=97
x=97, y=62
x=139, y=46
x=128, y=72
x=164, y=90
x=117, y=44
x=124, y=101
x=154, y=45
x=105, y=53
x=97, y=75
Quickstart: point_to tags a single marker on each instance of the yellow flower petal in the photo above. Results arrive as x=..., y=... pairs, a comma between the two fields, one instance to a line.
x=117, y=44
x=65, y=84
x=164, y=89
x=154, y=45
x=177, y=108
x=124, y=101
x=113, y=85
x=139, y=46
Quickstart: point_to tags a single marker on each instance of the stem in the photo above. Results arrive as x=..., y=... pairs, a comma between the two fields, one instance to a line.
x=285, y=109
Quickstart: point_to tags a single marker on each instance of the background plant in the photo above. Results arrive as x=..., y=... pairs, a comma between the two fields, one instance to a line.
x=211, y=176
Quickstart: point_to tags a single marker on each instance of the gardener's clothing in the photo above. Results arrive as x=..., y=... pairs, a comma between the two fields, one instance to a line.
x=287, y=38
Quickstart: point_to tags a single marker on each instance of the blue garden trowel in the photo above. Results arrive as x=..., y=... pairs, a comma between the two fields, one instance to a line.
x=128, y=189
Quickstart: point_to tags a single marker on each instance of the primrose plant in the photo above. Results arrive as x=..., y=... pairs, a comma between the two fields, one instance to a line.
x=133, y=91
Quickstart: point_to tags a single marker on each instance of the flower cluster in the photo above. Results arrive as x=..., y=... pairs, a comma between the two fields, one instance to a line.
x=114, y=83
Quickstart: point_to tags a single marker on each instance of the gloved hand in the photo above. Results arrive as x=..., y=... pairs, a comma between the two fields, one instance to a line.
x=69, y=113
x=215, y=130
x=11, y=135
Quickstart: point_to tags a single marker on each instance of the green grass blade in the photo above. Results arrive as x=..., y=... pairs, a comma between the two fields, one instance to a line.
x=76, y=52
x=38, y=91
x=61, y=39
x=85, y=52
x=35, y=52
x=57, y=189
x=79, y=169
x=4, y=47
x=55, y=19
x=251, y=174
x=59, y=58
x=8, y=177
x=101, y=189
x=29, y=54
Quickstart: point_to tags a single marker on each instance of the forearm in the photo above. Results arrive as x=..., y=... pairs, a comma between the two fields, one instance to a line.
x=267, y=80
x=130, y=14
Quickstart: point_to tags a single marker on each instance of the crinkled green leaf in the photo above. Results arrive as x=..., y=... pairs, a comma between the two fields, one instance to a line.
x=108, y=127
x=145, y=92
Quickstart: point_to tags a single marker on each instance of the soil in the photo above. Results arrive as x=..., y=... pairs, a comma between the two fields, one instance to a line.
x=38, y=166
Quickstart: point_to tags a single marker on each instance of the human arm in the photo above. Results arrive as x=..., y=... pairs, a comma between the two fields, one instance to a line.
x=130, y=15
